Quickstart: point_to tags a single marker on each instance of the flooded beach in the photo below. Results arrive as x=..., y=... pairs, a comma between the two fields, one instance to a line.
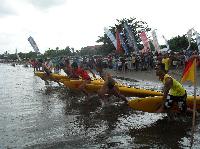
x=34, y=115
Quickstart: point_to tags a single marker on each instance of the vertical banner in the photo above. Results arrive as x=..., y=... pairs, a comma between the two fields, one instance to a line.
x=33, y=44
x=131, y=37
x=145, y=42
x=155, y=41
x=166, y=42
x=18, y=56
x=189, y=36
x=111, y=36
x=198, y=40
x=119, y=48
x=123, y=43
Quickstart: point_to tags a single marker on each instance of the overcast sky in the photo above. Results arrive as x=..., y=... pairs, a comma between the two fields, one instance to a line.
x=78, y=23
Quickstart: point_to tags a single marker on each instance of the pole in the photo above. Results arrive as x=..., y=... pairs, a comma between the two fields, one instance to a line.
x=194, y=106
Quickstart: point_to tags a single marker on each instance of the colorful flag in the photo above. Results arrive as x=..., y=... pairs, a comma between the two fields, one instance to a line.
x=189, y=71
x=145, y=41
x=131, y=37
x=119, y=48
x=111, y=36
x=33, y=44
x=123, y=43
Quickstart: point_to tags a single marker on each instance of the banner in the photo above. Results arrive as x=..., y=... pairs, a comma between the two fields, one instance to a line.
x=131, y=37
x=111, y=36
x=198, y=40
x=189, y=35
x=145, y=41
x=33, y=44
x=18, y=56
x=155, y=41
x=119, y=48
x=123, y=43
x=166, y=42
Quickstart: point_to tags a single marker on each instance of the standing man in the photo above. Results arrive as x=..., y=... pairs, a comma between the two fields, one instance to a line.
x=166, y=62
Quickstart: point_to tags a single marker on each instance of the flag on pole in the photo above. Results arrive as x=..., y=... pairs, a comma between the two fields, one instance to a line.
x=18, y=56
x=131, y=37
x=155, y=41
x=189, y=71
x=198, y=40
x=145, y=41
x=166, y=42
x=111, y=36
x=119, y=48
x=189, y=36
x=33, y=44
x=123, y=43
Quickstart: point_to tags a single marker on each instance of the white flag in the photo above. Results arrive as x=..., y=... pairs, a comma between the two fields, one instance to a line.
x=198, y=40
x=111, y=36
x=18, y=56
x=189, y=35
x=166, y=42
x=155, y=41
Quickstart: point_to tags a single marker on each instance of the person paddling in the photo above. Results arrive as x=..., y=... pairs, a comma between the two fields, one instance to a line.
x=173, y=91
x=79, y=72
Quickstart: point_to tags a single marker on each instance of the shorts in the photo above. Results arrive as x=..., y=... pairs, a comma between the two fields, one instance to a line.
x=180, y=100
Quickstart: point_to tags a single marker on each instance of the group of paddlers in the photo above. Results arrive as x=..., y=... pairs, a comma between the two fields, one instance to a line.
x=173, y=90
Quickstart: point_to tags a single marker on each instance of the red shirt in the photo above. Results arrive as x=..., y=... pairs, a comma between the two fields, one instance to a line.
x=80, y=72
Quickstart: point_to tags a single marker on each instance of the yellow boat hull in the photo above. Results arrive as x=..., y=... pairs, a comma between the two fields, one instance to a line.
x=95, y=85
x=152, y=104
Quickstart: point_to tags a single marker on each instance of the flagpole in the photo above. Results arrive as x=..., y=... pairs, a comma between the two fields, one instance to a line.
x=194, y=105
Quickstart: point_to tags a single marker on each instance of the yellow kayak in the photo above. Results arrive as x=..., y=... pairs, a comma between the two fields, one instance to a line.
x=95, y=85
x=151, y=104
x=51, y=77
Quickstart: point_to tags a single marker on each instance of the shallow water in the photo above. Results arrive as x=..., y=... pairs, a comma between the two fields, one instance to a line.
x=33, y=115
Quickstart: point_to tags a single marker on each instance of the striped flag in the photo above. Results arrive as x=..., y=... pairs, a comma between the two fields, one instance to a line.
x=131, y=37
x=119, y=48
x=123, y=43
x=189, y=71
x=111, y=36
x=145, y=41
x=33, y=44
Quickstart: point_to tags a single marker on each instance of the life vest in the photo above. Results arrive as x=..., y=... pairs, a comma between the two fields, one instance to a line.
x=176, y=89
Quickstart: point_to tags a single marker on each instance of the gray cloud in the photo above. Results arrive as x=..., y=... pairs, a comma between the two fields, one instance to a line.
x=45, y=4
x=6, y=9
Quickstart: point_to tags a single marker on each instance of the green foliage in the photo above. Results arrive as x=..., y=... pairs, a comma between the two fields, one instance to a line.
x=180, y=43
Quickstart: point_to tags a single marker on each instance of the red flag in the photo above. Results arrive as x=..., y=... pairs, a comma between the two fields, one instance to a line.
x=145, y=41
x=119, y=48
x=189, y=73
